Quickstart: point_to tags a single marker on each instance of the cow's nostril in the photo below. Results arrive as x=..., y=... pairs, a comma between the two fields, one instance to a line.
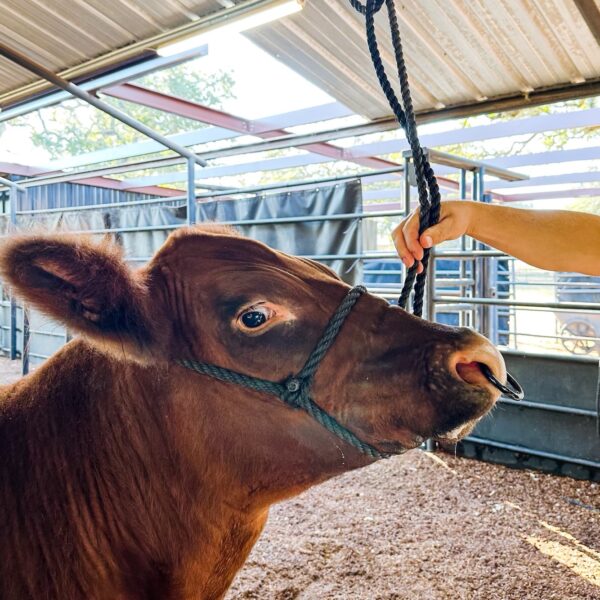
x=468, y=364
x=470, y=372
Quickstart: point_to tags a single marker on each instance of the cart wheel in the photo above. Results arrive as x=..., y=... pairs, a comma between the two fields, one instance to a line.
x=572, y=334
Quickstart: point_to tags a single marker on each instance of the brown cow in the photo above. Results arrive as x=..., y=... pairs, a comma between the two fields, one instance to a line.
x=127, y=476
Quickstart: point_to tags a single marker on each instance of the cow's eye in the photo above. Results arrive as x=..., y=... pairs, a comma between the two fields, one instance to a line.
x=254, y=317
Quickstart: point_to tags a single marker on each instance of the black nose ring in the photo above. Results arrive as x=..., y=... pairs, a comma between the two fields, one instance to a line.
x=514, y=392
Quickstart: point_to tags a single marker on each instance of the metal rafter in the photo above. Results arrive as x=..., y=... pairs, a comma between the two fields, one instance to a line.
x=205, y=114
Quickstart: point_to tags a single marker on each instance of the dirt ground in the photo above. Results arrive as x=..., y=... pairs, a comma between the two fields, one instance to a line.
x=10, y=370
x=431, y=527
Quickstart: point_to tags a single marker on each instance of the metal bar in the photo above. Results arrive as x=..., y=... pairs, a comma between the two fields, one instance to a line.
x=383, y=147
x=578, y=306
x=466, y=254
x=13, y=199
x=191, y=191
x=303, y=219
x=565, y=178
x=431, y=284
x=525, y=450
x=296, y=140
x=311, y=218
x=206, y=114
x=449, y=282
x=11, y=184
x=323, y=257
x=26, y=339
x=76, y=91
x=46, y=333
x=152, y=65
x=36, y=355
x=563, y=357
x=556, y=336
x=221, y=192
x=182, y=108
x=458, y=162
x=568, y=410
x=65, y=209
x=462, y=192
x=588, y=192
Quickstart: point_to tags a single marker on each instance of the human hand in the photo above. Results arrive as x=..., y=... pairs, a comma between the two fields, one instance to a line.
x=455, y=220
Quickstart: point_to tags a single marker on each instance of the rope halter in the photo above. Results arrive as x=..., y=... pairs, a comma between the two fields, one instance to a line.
x=295, y=390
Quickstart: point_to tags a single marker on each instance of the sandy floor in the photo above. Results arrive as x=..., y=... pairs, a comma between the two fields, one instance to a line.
x=431, y=527
x=10, y=370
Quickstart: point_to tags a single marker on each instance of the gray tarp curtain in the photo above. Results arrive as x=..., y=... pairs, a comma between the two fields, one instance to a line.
x=305, y=238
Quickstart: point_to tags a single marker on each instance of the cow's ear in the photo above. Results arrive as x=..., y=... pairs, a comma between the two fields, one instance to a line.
x=86, y=285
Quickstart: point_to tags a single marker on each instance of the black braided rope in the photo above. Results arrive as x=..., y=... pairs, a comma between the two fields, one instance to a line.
x=295, y=391
x=427, y=186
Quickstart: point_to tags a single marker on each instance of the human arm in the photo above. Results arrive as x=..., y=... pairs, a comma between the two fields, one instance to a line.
x=555, y=240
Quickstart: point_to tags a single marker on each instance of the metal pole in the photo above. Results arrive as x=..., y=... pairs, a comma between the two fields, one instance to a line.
x=14, y=190
x=430, y=306
x=191, y=191
x=475, y=315
x=25, y=355
x=462, y=267
x=76, y=91
x=13, y=198
x=406, y=181
x=483, y=288
x=11, y=184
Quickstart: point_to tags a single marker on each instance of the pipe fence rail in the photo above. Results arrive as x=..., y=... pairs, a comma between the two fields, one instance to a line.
x=470, y=293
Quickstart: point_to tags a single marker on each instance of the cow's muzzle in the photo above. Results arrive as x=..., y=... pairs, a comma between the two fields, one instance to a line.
x=482, y=364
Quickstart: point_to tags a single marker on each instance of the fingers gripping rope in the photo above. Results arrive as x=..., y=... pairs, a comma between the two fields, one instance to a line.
x=427, y=186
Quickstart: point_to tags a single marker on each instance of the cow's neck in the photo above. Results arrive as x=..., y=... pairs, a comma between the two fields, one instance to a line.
x=163, y=475
x=105, y=488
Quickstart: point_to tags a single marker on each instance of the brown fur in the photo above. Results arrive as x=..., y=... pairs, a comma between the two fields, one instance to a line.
x=124, y=476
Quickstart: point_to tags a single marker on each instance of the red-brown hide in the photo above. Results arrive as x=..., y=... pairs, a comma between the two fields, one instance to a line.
x=126, y=476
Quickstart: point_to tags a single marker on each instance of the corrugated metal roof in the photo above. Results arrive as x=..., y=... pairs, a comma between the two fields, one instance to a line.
x=458, y=51
x=62, y=34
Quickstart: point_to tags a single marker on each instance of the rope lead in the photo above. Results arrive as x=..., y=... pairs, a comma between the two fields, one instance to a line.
x=427, y=186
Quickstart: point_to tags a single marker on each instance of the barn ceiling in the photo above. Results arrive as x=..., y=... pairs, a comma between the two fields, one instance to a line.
x=80, y=37
x=459, y=52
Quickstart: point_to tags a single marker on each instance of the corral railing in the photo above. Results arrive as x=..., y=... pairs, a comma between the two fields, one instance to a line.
x=470, y=285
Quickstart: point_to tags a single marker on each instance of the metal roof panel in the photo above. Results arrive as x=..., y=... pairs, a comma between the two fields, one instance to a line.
x=457, y=51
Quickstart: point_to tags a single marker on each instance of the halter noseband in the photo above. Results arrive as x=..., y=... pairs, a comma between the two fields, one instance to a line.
x=295, y=391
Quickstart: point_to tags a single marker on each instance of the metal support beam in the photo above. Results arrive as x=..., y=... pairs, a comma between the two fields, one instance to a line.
x=191, y=191
x=142, y=48
x=591, y=15
x=219, y=118
x=14, y=190
x=13, y=199
x=458, y=162
x=30, y=65
x=26, y=339
x=115, y=77
x=536, y=124
x=182, y=108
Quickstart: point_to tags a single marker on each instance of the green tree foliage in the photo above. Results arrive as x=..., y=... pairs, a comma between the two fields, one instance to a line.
x=591, y=205
x=551, y=140
x=74, y=127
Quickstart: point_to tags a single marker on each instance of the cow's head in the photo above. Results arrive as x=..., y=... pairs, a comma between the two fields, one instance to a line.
x=215, y=297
